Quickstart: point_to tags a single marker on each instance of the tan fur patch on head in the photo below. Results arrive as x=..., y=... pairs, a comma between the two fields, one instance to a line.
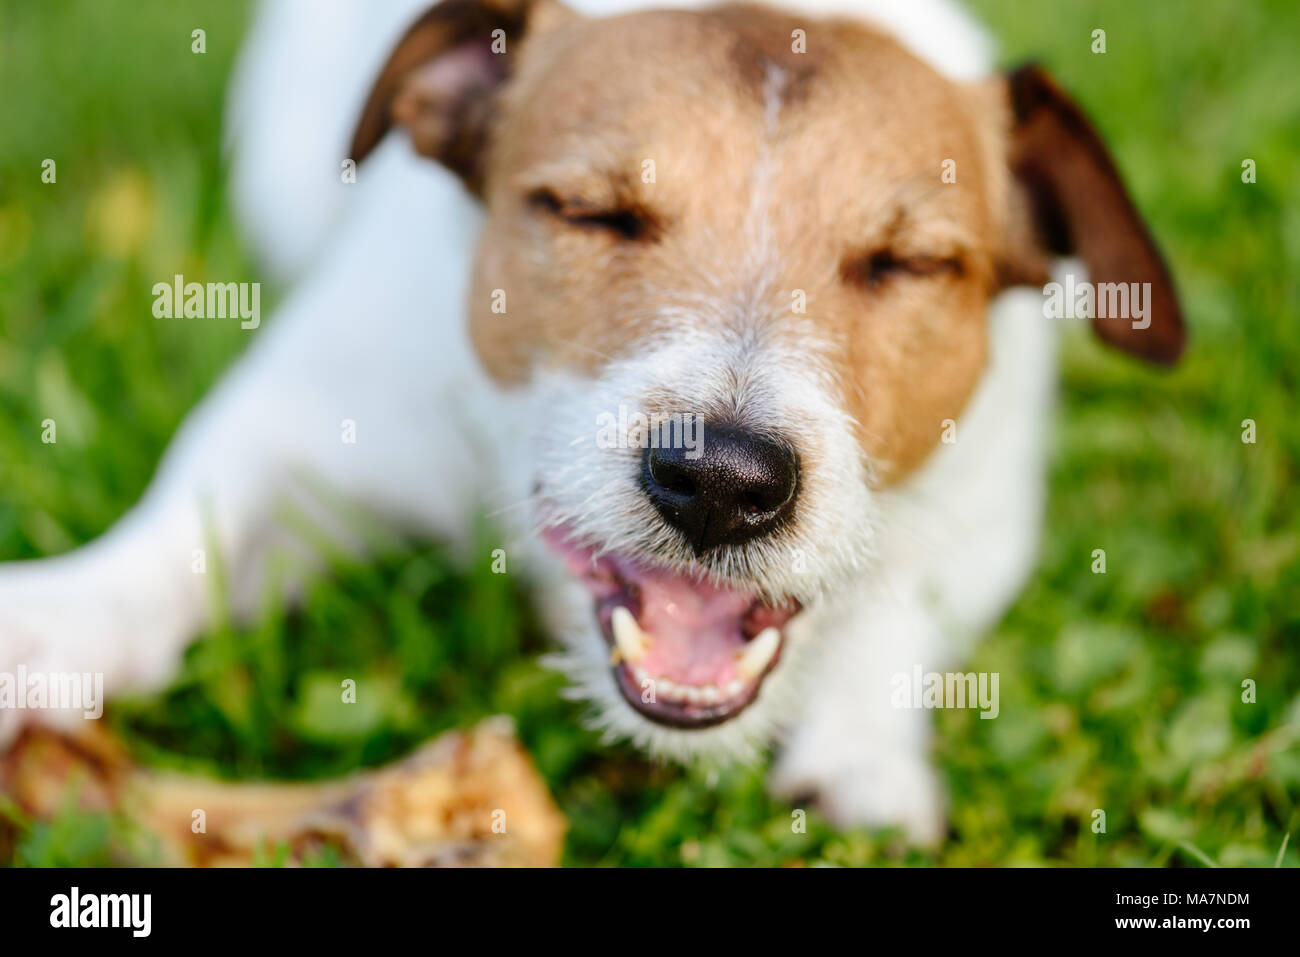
x=776, y=176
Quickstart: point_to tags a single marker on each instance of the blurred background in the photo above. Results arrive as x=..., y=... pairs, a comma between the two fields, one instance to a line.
x=1120, y=691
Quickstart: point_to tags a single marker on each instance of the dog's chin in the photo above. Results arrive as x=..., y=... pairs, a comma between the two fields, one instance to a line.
x=684, y=652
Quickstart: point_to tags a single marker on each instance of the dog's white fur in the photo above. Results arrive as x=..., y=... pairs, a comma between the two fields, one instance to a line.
x=375, y=333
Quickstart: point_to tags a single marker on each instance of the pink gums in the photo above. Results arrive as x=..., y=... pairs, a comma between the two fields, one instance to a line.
x=695, y=628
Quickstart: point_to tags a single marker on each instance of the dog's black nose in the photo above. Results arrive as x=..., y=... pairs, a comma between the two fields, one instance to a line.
x=733, y=487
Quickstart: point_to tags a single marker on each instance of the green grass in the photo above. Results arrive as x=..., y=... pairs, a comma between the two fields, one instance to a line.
x=1120, y=692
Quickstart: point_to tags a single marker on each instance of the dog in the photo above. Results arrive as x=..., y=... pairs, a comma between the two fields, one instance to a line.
x=731, y=316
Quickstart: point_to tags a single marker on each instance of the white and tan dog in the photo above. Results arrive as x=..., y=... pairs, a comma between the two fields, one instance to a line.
x=800, y=233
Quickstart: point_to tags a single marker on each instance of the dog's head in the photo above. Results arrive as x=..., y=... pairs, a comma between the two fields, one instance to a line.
x=744, y=260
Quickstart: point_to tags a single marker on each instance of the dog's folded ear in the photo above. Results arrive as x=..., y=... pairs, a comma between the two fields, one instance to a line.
x=441, y=79
x=1068, y=198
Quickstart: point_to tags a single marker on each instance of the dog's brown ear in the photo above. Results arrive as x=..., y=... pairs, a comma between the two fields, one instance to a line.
x=441, y=79
x=1070, y=199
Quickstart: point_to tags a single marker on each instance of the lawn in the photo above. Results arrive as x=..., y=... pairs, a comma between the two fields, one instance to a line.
x=1120, y=692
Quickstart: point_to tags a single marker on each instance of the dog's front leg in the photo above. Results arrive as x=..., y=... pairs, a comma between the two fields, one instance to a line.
x=124, y=605
x=351, y=390
x=861, y=752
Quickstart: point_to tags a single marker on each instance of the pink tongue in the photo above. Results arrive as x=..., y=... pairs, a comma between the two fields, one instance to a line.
x=694, y=628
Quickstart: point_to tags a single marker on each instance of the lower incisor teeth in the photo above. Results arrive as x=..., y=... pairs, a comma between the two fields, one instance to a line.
x=679, y=691
x=758, y=654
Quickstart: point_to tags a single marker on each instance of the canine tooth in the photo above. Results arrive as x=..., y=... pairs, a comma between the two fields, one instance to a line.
x=758, y=654
x=629, y=639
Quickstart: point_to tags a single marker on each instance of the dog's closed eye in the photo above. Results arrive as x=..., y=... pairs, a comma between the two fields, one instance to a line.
x=875, y=269
x=624, y=222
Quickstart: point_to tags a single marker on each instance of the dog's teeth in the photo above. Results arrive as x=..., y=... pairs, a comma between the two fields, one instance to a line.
x=630, y=641
x=758, y=654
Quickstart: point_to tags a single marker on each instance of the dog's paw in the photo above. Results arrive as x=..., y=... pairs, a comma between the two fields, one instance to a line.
x=879, y=791
x=58, y=633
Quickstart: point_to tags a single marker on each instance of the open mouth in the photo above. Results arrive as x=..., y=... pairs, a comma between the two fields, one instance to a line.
x=685, y=652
